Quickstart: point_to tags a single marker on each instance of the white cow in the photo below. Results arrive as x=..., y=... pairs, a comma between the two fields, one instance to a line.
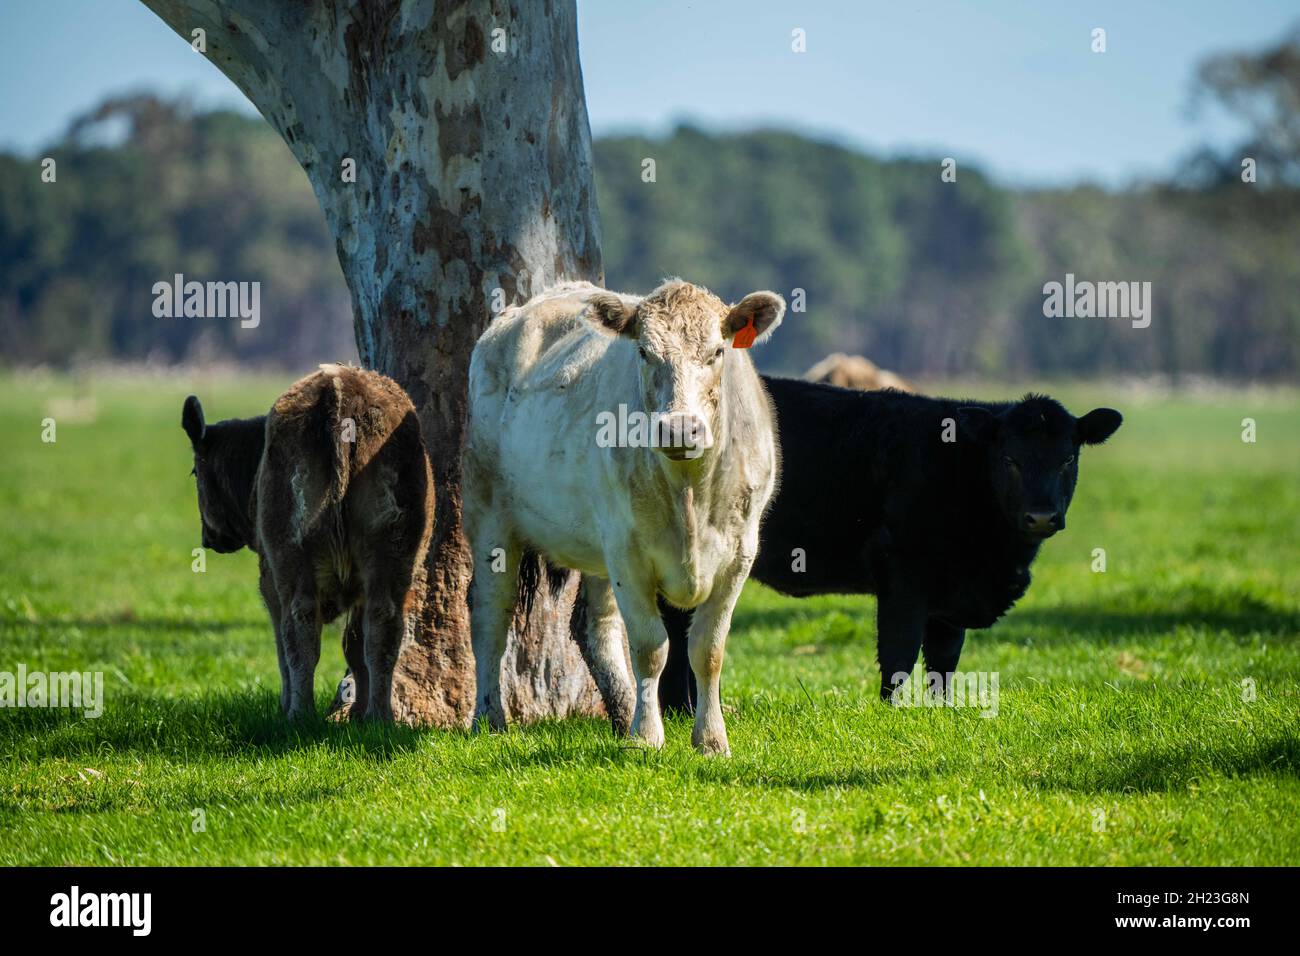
x=548, y=468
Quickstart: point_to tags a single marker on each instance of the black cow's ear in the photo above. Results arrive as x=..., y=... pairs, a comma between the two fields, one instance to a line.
x=614, y=313
x=1098, y=425
x=977, y=424
x=192, y=420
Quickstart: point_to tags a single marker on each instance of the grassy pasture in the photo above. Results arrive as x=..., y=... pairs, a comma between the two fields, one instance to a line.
x=1122, y=734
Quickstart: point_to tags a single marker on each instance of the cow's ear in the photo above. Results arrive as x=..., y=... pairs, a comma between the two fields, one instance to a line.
x=1098, y=425
x=977, y=424
x=762, y=310
x=614, y=313
x=192, y=420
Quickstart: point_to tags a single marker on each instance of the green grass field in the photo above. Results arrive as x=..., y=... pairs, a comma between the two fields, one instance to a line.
x=1123, y=735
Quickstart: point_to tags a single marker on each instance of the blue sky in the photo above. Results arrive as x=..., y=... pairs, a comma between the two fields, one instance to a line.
x=1009, y=85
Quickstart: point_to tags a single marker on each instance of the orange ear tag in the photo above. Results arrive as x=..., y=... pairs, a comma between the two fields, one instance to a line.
x=744, y=338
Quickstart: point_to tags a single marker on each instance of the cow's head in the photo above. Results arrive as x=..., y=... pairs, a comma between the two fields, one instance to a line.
x=1032, y=454
x=683, y=335
x=221, y=458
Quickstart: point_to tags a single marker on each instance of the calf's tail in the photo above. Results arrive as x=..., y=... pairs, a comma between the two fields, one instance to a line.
x=340, y=432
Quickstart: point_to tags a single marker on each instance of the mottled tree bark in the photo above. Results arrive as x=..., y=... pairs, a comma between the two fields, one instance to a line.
x=468, y=129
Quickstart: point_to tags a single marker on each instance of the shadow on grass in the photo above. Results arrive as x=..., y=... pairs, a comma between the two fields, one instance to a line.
x=1067, y=623
x=1153, y=770
x=245, y=723
x=249, y=725
x=1064, y=624
x=1174, y=768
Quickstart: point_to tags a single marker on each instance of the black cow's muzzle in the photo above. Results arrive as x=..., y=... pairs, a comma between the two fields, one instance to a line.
x=1041, y=525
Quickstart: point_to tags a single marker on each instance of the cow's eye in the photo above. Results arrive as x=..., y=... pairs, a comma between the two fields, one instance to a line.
x=1010, y=462
x=1067, y=463
x=717, y=355
x=645, y=356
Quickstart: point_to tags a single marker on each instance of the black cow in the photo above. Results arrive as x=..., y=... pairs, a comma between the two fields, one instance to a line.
x=937, y=506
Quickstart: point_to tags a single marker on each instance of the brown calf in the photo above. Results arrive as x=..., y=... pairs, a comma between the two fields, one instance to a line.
x=854, y=371
x=334, y=493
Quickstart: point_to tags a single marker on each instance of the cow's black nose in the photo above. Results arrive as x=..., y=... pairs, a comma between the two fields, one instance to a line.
x=1041, y=522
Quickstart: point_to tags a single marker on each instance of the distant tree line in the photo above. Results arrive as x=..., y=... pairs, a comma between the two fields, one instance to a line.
x=144, y=189
x=885, y=258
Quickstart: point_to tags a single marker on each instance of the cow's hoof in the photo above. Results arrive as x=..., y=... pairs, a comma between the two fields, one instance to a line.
x=652, y=737
x=712, y=745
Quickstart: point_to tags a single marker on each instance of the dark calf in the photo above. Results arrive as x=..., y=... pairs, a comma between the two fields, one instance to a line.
x=942, y=531
x=334, y=492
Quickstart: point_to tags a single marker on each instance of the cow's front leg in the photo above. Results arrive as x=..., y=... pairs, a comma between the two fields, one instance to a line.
x=493, y=595
x=707, y=642
x=900, y=627
x=942, y=646
x=607, y=651
x=648, y=643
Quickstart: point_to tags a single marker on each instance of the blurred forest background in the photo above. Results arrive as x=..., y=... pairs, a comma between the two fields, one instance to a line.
x=925, y=277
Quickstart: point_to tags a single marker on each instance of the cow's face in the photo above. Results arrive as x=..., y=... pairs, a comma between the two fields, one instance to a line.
x=682, y=335
x=1032, y=455
x=219, y=513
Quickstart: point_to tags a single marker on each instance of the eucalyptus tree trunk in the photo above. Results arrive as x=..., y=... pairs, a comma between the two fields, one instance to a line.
x=448, y=145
